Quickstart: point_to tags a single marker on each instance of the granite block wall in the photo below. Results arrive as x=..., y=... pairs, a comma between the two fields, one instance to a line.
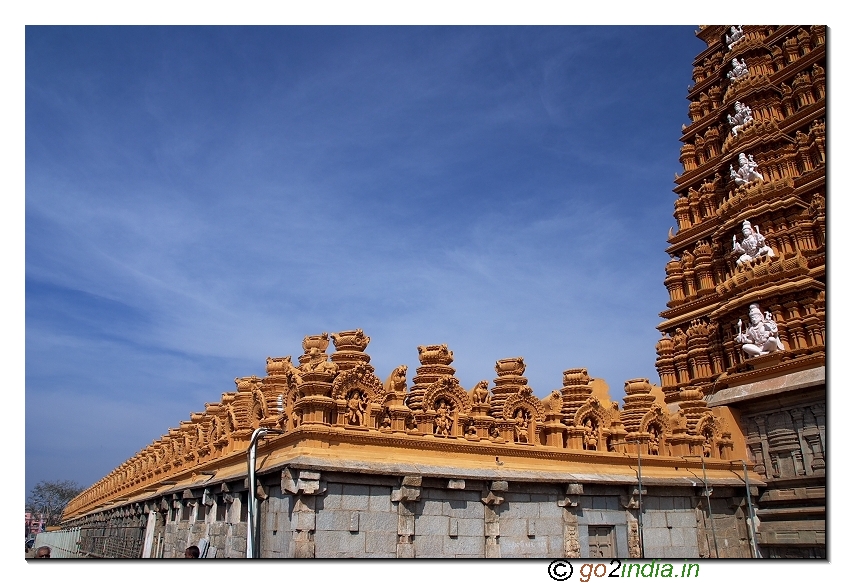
x=344, y=515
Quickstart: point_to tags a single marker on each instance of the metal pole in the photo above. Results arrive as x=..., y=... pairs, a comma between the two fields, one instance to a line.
x=640, y=503
x=640, y=494
x=252, y=494
x=708, y=501
x=259, y=433
x=752, y=525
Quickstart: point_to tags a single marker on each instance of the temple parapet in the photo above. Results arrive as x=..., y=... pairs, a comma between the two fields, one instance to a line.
x=329, y=397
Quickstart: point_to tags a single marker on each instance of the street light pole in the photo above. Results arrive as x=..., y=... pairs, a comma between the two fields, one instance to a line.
x=640, y=493
x=752, y=522
x=259, y=433
x=640, y=502
x=707, y=493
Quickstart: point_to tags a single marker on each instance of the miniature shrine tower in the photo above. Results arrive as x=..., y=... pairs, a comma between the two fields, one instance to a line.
x=745, y=324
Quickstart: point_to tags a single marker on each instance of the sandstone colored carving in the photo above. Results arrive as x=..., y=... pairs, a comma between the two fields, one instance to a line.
x=480, y=393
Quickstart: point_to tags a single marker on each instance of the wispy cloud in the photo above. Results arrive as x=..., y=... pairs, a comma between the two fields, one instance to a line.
x=199, y=199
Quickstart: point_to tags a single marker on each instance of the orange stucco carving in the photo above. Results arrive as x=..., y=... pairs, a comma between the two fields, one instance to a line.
x=338, y=395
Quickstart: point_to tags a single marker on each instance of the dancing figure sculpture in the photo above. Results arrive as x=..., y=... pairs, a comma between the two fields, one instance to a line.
x=761, y=336
x=735, y=34
x=743, y=115
x=739, y=70
x=746, y=172
x=751, y=246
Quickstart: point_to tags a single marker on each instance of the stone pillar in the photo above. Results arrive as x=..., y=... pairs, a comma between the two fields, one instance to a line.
x=664, y=362
x=572, y=546
x=491, y=517
x=399, y=413
x=304, y=487
x=553, y=431
x=406, y=496
x=482, y=421
x=575, y=437
x=631, y=503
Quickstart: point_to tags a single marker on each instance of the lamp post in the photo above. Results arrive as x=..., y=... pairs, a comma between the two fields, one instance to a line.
x=259, y=433
x=640, y=493
x=751, y=527
x=707, y=493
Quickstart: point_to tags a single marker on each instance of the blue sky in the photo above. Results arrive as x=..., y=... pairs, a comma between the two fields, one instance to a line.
x=198, y=199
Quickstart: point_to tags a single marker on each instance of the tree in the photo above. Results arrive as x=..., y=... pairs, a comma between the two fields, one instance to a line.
x=49, y=498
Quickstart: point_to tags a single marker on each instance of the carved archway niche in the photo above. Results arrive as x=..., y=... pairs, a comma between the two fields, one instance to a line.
x=525, y=411
x=716, y=440
x=359, y=397
x=447, y=408
x=655, y=427
x=595, y=421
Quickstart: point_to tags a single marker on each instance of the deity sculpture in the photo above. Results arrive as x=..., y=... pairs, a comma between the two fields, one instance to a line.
x=751, y=246
x=443, y=421
x=761, y=336
x=706, y=446
x=654, y=441
x=739, y=70
x=521, y=427
x=746, y=172
x=355, y=409
x=743, y=115
x=735, y=34
x=591, y=437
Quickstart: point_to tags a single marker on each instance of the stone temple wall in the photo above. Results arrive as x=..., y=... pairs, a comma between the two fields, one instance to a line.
x=379, y=516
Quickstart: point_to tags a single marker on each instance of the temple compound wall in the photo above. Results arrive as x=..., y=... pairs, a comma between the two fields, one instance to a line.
x=350, y=466
x=355, y=515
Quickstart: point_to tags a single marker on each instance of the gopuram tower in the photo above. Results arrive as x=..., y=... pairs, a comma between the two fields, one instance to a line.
x=745, y=324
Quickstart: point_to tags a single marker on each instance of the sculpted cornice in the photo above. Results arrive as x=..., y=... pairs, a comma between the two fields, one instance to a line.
x=762, y=292
x=712, y=306
x=810, y=180
x=314, y=436
x=686, y=237
x=789, y=71
x=754, y=374
x=803, y=117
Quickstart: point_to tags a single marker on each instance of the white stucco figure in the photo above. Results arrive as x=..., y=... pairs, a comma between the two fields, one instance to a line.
x=735, y=34
x=746, y=171
x=743, y=115
x=761, y=336
x=751, y=246
x=739, y=70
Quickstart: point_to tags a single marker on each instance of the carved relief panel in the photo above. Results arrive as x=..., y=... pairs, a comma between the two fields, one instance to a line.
x=788, y=443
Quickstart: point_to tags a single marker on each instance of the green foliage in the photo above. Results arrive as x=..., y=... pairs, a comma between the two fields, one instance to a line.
x=50, y=498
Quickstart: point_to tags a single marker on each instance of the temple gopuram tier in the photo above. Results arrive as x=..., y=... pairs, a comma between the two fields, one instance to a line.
x=746, y=321
x=351, y=465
